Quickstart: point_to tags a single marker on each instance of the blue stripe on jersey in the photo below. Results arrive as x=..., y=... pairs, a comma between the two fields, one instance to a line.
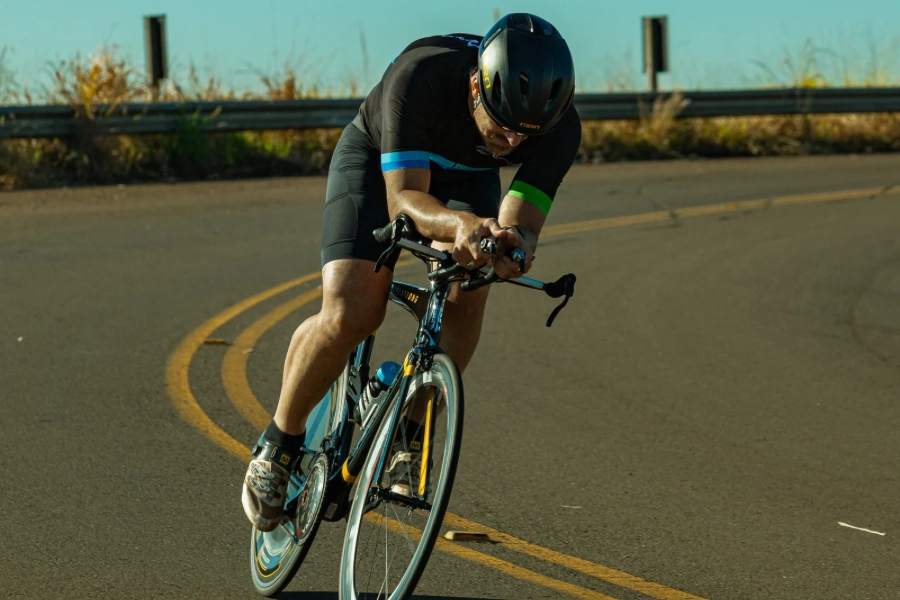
x=418, y=159
x=404, y=164
x=411, y=159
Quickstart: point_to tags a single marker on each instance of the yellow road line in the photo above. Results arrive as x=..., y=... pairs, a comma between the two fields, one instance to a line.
x=178, y=366
x=619, y=578
x=234, y=365
x=238, y=388
x=487, y=560
x=516, y=571
x=714, y=209
x=606, y=223
x=177, y=369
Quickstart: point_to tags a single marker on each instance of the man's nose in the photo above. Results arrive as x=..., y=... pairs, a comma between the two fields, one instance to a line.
x=513, y=138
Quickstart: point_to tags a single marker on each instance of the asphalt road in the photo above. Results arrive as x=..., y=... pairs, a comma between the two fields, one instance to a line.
x=719, y=396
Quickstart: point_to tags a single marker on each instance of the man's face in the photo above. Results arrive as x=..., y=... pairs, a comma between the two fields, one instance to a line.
x=497, y=140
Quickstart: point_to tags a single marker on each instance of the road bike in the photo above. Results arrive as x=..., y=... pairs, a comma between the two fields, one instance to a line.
x=393, y=484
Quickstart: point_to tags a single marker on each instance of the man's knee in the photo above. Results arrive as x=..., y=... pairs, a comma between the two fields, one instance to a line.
x=354, y=300
x=468, y=302
x=349, y=324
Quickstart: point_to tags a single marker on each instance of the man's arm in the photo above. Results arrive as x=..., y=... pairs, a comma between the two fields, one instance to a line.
x=407, y=193
x=526, y=205
x=527, y=218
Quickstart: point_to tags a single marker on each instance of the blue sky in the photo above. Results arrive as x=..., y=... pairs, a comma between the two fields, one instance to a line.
x=714, y=43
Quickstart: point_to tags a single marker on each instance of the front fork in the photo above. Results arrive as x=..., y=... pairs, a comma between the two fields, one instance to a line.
x=430, y=415
x=350, y=469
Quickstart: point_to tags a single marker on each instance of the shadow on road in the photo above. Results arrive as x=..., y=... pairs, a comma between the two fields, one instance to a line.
x=334, y=596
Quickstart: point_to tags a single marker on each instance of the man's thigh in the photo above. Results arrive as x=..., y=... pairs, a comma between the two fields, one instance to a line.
x=351, y=290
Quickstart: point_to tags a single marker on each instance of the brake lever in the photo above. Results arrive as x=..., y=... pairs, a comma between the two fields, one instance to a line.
x=396, y=234
x=385, y=255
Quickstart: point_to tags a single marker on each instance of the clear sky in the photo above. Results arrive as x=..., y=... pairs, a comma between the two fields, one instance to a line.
x=714, y=43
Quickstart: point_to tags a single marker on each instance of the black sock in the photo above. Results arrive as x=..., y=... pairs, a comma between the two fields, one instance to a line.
x=286, y=441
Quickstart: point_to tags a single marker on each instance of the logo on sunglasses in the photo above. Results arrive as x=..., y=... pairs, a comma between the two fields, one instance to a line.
x=529, y=126
x=487, y=79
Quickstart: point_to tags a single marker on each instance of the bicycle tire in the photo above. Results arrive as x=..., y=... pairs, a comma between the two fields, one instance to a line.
x=271, y=571
x=444, y=378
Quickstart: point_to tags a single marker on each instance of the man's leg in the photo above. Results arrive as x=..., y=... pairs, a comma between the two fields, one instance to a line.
x=354, y=300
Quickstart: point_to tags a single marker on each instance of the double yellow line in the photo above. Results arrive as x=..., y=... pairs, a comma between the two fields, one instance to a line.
x=237, y=387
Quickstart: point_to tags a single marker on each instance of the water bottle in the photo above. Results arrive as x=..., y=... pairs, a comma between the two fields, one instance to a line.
x=374, y=393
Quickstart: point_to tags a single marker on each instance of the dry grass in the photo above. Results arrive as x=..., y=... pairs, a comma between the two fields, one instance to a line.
x=660, y=135
x=106, y=79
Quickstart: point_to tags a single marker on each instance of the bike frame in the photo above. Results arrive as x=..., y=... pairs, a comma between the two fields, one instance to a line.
x=427, y=306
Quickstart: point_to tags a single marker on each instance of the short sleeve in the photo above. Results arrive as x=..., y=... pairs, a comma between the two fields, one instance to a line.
x=546, y=162
x=408, y=107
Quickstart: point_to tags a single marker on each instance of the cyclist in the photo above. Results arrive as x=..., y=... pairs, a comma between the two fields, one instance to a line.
x=428, y=142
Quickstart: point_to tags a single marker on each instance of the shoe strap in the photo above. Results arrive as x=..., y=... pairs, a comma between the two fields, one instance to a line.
x=265, y=450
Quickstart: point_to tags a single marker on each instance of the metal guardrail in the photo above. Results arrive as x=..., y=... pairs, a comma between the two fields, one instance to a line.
x=156, y=118
x=744, y=103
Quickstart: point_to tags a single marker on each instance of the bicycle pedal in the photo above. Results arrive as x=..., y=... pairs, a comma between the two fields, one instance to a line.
x=338, y=507
x=335, y=511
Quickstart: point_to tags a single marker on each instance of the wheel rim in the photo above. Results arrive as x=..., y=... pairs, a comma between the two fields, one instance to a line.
x=309, y=504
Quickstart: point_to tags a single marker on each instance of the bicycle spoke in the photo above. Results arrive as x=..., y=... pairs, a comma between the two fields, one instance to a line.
x=397, y=515
x=395, y=551
x=375, y=562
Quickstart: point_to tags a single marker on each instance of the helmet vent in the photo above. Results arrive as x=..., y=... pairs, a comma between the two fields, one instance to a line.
x=496, y=93
x=522, y=22
x=523, y=84
x=554, y=90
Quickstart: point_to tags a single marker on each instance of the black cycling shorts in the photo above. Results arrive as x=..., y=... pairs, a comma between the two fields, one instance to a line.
x=356, y=199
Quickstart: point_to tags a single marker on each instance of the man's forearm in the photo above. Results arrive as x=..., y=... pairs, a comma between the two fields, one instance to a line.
x=525, y=217
x=433, y=220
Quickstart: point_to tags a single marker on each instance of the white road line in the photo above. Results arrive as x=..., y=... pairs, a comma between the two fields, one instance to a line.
x=860, y=528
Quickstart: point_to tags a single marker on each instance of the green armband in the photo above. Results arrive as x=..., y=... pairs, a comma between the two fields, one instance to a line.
x=531, y=194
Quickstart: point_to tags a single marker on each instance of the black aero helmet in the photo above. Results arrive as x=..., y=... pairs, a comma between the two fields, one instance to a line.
x=525, y=74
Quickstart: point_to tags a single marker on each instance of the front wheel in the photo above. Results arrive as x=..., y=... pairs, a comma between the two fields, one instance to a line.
x=395, y=518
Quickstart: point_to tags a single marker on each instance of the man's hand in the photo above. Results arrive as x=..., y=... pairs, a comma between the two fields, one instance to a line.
x=467, y=246
x=505, y=267
x=469, y=233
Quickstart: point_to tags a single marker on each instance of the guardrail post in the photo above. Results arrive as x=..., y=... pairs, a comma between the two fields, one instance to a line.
x=155, y=51
x=656, y=49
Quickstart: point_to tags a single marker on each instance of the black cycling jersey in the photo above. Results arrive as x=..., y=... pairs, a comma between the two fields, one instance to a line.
x=418, y=115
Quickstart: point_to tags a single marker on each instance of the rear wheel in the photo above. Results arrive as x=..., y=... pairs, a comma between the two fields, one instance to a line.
x=275, y=556
x=394, y=520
